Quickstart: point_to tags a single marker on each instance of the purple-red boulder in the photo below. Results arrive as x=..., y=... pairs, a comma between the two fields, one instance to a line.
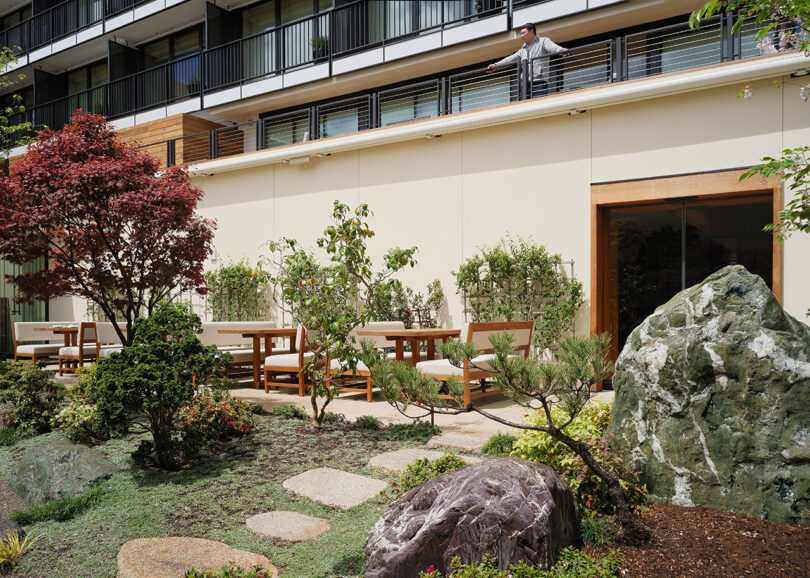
x=511, y=508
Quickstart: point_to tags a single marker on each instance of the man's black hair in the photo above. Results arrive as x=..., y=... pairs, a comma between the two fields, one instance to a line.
x=529, y=26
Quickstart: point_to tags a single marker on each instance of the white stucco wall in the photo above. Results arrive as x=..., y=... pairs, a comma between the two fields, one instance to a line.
x=452, y=194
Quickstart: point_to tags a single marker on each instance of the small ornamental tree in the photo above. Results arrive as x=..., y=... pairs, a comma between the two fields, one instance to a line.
x=146, y=384
x=393, y=301
x=533, y=384
x=114, y=230
x=331, y=299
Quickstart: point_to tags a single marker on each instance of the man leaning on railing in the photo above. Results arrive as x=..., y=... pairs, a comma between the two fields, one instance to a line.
x=535, y=49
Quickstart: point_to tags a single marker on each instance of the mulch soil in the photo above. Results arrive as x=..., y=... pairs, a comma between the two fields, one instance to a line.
x=717, y=544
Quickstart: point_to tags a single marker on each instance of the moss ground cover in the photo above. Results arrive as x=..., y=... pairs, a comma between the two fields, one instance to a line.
x=211, y=500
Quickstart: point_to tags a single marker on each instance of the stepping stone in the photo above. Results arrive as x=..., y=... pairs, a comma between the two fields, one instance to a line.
x=287, y=527
x=334, y=487
x=467, y=444
x=394, y=463
x=173, y=557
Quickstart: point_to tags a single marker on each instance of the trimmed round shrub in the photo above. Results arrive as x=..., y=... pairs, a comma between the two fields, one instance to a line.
x=31, y=397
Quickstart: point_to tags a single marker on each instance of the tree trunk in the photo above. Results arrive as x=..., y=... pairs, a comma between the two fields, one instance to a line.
x=165, y=453
x=632, y=531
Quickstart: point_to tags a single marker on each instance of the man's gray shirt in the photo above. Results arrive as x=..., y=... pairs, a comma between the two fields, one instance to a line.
x=537, y=53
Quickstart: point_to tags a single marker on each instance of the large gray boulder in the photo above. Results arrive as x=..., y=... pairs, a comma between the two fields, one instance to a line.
x=713, y=400
x=57, y=470
x=511, y=508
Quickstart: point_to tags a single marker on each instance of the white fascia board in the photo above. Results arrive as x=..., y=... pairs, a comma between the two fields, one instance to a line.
x=474, y=30
x=599, y=3
x=588, y=98
x=548, y=11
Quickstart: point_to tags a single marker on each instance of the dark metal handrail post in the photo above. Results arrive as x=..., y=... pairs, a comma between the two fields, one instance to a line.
x=213, y=144
x=260, y=134
x=523, y=80
x=170, y=153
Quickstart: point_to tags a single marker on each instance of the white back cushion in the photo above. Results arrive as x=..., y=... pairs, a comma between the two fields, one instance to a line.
x=211, y=336
x=24, y=331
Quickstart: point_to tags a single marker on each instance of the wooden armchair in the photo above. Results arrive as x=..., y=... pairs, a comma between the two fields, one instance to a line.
x=479, y=334
x=86, y=349
x=284, y=370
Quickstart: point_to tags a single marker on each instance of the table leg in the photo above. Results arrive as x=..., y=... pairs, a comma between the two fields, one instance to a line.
x=400, y=350
x=431, y=349
x=414, y=352
x=256, y=348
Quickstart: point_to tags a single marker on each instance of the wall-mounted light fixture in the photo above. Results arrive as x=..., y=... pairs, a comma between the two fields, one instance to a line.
x=798, y=73
x=296, y=161
x=432, y=136
x=574, y=111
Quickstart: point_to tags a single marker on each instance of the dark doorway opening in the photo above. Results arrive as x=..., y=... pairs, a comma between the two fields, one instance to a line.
x=654, y=250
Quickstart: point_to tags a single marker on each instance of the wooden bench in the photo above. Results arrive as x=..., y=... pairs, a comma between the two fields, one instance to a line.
x=23, y=333
x=477, y=368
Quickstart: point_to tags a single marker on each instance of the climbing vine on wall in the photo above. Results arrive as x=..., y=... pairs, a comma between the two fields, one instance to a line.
x=519, y=280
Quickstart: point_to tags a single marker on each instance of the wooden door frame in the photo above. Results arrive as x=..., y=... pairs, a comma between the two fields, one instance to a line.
x=701, y=185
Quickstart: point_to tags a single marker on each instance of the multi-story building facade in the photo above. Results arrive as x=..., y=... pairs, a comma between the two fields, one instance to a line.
x=628, y=167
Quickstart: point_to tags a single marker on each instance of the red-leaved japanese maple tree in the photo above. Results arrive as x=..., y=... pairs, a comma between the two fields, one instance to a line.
x=113, y=228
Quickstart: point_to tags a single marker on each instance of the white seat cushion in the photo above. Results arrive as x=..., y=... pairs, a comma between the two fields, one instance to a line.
x=73, y=351
x=109, y=350
x=40, y=349
x=335, y=365
x=405, y=355
x=443, y=367
x=286, y=360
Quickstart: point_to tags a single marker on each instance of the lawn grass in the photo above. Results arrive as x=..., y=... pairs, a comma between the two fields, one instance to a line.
x=213, y=499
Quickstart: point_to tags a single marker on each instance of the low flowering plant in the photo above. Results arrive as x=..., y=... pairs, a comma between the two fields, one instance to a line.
x=214, y=416
x=79, y=421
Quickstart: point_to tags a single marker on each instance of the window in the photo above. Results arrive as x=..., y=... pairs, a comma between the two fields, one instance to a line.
x=409, y=103
x=178, y=45
x=286, y=129
x=343, y=117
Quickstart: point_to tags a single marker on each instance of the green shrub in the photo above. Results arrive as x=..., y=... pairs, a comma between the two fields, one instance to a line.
x=59, y=510
x=572, y=563
x=330, y=418
x=80, y=421
x=213, y=416
x=255, y=408
x=86, y=386
x=31, y=396
x=8, y=436
x=230, y=571
x=418, y=430
x=420, y=471
x=500, y=444
x=368, y=422
x=589, y=427
x=289, y=411
x=146, y=383
x=596, y=529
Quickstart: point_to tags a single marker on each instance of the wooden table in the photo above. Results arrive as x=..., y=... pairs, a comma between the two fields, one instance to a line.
x=70, y=333
x=414, y=337
x=268, y=334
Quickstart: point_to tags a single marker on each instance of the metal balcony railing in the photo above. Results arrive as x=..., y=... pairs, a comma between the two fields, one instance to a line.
x=628, y=57
x=317, y=39
x=59, y=21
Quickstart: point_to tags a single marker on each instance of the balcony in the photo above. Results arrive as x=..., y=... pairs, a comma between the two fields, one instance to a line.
x=72, y=22
x=295, y=52
x=623, y=58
